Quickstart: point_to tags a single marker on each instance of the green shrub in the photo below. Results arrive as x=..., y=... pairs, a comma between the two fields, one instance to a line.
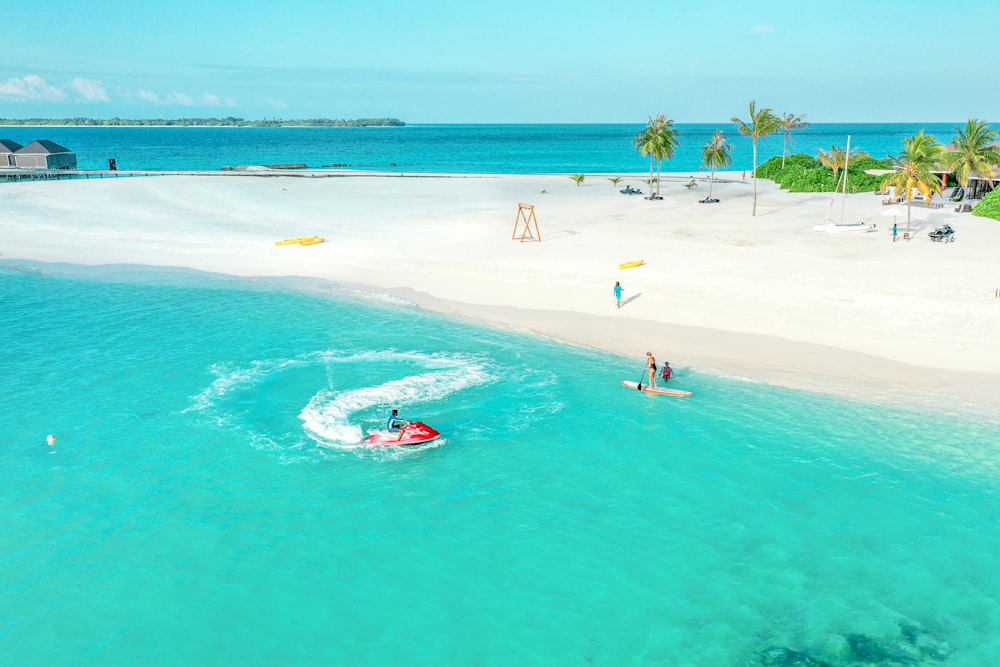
x=859, y=181
x=772, y=167
x=809, y=180
x=989, y=206
x=804, y=173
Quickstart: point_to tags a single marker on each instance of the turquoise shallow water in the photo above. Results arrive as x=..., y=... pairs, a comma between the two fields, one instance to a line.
x=207, y=501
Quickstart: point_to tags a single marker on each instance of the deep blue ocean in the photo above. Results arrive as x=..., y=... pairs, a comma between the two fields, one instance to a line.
x=504, y=149
x=207, y=499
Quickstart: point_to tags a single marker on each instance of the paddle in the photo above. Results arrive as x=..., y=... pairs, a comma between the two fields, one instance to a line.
x=639, y=384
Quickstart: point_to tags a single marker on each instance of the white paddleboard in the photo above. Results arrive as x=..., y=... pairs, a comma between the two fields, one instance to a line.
x=663, y=391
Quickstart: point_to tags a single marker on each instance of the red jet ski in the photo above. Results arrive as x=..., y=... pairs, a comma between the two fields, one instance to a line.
x=414, y=433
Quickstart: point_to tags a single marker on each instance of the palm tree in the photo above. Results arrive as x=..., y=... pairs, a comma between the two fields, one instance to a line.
x=615, y=181
x=715, y=154
x=836, y=159
x=760, y=124
x=975, y=152
x=577, y=178
x=791, y=122
x=921, y=153
x=657, y=140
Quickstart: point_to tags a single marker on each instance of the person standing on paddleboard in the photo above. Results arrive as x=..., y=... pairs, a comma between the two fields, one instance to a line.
x=651, y=367
x=618, y=293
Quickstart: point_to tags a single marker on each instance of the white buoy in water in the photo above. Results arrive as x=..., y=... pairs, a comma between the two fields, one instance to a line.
x=51, y=440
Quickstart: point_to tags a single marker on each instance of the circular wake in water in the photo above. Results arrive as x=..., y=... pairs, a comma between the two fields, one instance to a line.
x=330, y=399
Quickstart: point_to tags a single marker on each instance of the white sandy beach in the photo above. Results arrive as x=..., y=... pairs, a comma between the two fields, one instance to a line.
x=765, y=297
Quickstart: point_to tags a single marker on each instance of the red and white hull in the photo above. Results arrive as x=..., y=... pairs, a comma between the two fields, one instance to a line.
x=414, y=433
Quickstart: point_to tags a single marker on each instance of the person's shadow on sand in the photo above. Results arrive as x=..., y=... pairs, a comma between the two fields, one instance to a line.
x=631, y=299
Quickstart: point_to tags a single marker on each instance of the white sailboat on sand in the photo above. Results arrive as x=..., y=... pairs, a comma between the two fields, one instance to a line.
x=841, y=227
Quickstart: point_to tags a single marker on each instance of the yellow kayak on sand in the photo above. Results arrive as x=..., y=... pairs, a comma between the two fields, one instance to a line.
x=302, y=240
x=631, y=265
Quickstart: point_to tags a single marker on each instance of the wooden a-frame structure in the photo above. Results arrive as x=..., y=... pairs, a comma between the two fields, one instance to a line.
x=526, y=212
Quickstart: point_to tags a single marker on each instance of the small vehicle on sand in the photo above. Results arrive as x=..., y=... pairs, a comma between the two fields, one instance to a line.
x=942, y=234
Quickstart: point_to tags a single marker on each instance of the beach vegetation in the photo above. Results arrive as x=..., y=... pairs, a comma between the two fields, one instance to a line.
x=973, y=152
x=836, y=158
x=759, y=123
x=791, y=122
x=988, y=206
x=658, y=140
x=716, y=154
x=204, y=122
x=804, y=173
x=913, y=170
x=577, y=178
x=772, y=168
x=615, y=181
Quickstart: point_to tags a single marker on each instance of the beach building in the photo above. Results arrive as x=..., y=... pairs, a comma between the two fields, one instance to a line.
x=7, y=150
x=979, y=186
x=44, y=154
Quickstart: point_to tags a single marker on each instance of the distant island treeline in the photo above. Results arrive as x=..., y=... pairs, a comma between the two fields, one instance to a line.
x=206, y=122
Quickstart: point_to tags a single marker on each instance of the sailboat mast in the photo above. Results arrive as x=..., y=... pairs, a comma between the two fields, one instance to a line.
x=847, y=162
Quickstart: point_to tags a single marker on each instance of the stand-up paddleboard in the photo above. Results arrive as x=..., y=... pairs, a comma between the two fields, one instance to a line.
x=663, y=391
x=631, y=265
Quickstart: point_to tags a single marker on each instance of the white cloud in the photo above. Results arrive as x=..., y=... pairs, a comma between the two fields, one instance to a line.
x=760, y=29
x=31, y=87
x=180, y=98
x=210, y=100
x=90, y=90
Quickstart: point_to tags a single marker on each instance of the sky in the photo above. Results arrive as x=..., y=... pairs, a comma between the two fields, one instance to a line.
x=513, y=61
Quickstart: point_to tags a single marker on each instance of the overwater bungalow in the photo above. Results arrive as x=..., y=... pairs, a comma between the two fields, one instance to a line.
x=7, y=150
x=43, y=154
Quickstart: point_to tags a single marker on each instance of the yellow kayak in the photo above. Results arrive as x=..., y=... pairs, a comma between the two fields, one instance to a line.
x=631, y=265
x=291, y=241
x=302, y=240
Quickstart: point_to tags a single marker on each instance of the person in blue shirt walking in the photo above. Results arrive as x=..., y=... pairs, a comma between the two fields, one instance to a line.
x=618, y=293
